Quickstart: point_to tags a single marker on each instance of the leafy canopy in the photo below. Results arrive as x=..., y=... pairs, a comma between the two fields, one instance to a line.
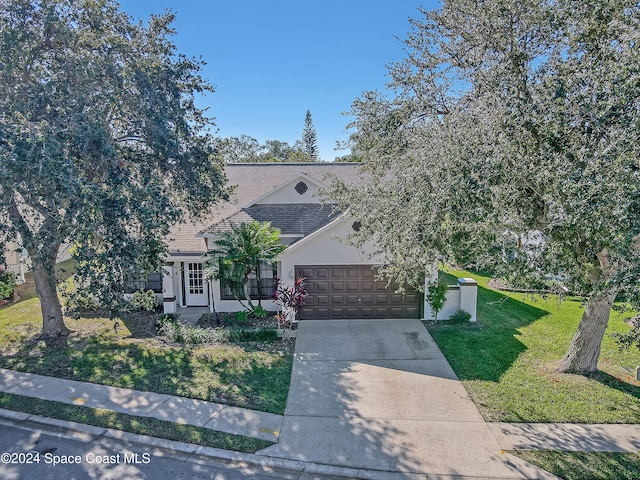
x=512, y=144
x=238, y=253
x=101, y=141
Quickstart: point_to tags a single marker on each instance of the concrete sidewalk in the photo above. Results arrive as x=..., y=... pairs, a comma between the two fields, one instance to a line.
x=239, y=421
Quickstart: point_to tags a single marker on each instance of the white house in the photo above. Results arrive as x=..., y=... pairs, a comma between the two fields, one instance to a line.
x=340, y=280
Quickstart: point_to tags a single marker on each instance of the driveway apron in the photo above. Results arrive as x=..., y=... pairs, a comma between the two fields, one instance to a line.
x=379, y=395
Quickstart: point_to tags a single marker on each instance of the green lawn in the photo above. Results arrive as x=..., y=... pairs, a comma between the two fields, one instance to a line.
x=249, y=375
x=586, y=465
x=508, y=362
x=131, y=423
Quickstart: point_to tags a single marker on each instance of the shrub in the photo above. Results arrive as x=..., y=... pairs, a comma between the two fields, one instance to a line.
x=436, y=296
x=175, y=331
x=77, y=301
x=242, y=317
x=142, y=301
x=460, y=317
x=169, y=327
x=259, y=312
x=7, y=284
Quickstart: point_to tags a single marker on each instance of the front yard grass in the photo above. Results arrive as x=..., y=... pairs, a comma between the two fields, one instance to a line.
x=131, y=423
x=586, y=465
x=508, y=361
x=251, y=375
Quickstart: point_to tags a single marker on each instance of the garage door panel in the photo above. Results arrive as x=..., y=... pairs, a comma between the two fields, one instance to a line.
x=351, y=299
x=412, y=312
x=321, y=273
x=353, y=272
x=337, y=273
x=352, y=291
x=353, y=286
x=322, y=300
x=366, y=299
x=382, y=299
x=366, y=285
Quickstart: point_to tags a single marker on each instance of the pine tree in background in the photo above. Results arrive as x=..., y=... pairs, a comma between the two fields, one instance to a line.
x=310, y=138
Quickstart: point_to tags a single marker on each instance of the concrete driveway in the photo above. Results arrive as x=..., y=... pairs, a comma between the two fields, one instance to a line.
x=379, y=395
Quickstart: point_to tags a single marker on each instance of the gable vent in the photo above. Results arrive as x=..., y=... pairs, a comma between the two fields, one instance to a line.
x=301, y=188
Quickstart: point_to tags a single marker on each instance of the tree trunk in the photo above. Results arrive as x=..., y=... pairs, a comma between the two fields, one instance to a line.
x=583, y=353
x=53, y=326
x=247, y=295
x=259, y=283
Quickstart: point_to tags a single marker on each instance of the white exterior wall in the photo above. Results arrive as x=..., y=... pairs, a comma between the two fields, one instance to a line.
x=234, y=305
x=462, y=296
x=325, y=248
x=322, y=248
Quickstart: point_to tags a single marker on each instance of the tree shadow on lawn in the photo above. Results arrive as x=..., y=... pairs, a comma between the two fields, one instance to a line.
x=486, y=350
x=161, y=370
x=612, y=382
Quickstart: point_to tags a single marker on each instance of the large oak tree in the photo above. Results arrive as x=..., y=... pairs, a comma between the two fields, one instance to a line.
x=101, y=143
x=512, y=144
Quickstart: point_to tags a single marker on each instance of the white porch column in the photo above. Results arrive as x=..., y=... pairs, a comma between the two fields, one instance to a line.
x=468, y=296
x=168, y=288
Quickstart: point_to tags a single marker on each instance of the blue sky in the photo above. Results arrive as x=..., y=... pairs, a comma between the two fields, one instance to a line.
x=271, y=61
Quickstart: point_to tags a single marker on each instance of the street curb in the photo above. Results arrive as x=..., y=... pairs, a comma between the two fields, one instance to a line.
x=198, y=453
x=87, y=433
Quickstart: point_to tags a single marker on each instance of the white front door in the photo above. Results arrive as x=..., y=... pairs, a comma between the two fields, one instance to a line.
x=196, y=294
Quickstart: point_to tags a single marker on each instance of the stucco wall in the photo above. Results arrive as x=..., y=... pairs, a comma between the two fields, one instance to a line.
x=327, y=247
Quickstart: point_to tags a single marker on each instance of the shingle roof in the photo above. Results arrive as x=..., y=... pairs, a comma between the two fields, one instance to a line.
x=251, y=181
x=291, y=219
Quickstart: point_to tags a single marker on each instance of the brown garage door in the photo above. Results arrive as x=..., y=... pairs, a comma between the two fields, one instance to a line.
x=352, y=291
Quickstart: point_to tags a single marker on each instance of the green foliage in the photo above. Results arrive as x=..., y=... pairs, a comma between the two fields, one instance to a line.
x=310, y=138
x=246, y=149
x=630, y=338
x=178, y=332
x=239, y=252
x=436, y=296
x=507, y=361
x=142, y=301
x=585, y=465
x=242, y=316
x=102, y=143
x=460, y=317
x=7, y=284
x=131, y=423
x=259, y=312
x=77, y=300
x=511, y=147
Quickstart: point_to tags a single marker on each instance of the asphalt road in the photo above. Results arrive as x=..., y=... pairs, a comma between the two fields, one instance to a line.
x=30, y=454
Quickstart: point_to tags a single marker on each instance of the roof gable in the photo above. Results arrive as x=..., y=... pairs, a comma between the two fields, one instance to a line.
x=251, y=182
x=296, y=190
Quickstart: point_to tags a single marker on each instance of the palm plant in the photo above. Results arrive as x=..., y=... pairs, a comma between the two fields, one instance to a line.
x=239, y=252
